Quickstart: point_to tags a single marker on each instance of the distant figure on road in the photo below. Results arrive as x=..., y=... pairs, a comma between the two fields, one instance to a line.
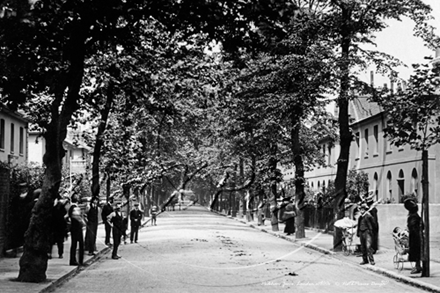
x=365, y=230
x=107, y=209
x=153, y=213
x=92, y=225
x=135, y=222
x=415, y=228
x=76, y=225
x=115, y=220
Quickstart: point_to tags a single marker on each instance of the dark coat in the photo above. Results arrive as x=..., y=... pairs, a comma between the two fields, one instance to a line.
x=59, y=224
x=107, y=209
x=135, y=218
x=415, y=236
x=365, y=223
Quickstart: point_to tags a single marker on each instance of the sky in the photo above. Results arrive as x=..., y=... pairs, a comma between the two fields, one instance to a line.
x=398, y=40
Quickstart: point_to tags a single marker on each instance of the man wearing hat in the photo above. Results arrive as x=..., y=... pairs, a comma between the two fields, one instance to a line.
x=373, y=211
x=135, y=222
x=115, y=220
x=107, y=209
x=365, y=230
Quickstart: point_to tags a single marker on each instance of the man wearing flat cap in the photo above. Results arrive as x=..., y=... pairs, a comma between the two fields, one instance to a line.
x=135, y=223
x=365, y=228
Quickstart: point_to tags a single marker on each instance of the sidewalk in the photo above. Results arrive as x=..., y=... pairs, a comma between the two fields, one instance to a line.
x=58, y=270
x=385, y=265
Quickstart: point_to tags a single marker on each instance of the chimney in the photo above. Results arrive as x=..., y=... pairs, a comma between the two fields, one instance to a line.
x=391, y=86
x=372, y=78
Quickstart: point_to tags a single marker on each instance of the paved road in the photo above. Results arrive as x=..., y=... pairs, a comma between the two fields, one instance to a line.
x=198, y=251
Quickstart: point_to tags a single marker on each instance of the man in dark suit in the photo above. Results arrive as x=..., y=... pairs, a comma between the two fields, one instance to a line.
x=135, y=222
x=76, y=232
x=107, y=209
x=365, y=228
x=115, y=219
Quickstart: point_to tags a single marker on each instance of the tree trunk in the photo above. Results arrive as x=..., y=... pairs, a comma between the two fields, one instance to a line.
x=33, y=263
x=100, y=142
x=344, y=128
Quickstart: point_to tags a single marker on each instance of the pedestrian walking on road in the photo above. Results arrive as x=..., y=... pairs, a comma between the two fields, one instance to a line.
x=365, y=229
x=153, y=213
x=92, y=225
x=76, y=234
x=135, y=222
x=415, y=228
x=115, y=220
x=107, y=209
x=59, y=226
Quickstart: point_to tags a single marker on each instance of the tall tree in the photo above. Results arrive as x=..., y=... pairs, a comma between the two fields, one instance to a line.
x=413, y=118
x=353, y=23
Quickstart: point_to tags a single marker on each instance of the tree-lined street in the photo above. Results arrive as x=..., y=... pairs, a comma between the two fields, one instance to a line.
x=199, y=251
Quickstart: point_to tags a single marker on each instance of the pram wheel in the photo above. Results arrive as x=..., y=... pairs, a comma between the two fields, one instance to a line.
x=345, y=250
x=398, y=262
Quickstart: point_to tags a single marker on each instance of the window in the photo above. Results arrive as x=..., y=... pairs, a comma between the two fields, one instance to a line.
x=376, y=139
x=12, y=138
x=2, y=134
x=358, y=147
x=390, y=187
x=401, y=184
x=388, y=145
x=414, y=182
x=21, y=141
x=329, y=155
x=366, y=142
x=375, y=185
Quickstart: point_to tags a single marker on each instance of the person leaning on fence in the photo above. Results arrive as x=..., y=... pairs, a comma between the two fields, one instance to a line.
x=365, y=228
x=415, y=228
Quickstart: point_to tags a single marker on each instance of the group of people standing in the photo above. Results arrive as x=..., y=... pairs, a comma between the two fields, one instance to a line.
x=368, y=231
x=116, y=224
x=68, y=217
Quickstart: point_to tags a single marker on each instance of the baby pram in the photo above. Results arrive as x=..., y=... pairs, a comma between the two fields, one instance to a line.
x=401, y=245
x=348, y=232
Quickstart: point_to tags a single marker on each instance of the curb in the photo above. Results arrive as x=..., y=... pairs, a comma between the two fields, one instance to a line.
x=404, y=279
x=75, y=271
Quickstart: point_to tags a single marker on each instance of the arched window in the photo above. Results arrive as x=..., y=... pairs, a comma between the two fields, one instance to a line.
x=389, y=187
x=401, y=185
x=375, y=186
x=414, y=182
x=323, y=186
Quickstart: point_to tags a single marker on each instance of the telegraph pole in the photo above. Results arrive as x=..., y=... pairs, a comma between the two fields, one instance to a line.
x=425, y=215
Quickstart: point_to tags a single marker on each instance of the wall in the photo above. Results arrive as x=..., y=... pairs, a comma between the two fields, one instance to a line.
x=395, y=215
